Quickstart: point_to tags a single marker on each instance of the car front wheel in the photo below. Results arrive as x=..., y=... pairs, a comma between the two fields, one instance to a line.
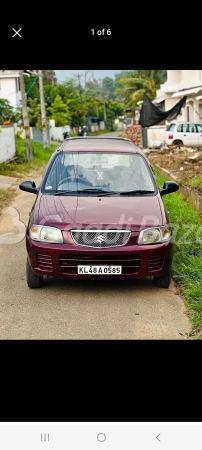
x=33, y=281
x=164, y=280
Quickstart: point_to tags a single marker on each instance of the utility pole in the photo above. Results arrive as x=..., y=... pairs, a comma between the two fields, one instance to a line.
x=25, y=117
x=105, y=112
x=43, y=110
x=85, y=78
x=79, y=76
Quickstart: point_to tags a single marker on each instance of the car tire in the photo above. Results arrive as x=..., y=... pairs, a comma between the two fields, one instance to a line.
x=164, y=280
x=177, y=142
x=33, y=281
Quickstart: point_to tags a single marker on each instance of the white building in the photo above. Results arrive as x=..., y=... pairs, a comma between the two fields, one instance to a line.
x=178, y=84
x=10, y=87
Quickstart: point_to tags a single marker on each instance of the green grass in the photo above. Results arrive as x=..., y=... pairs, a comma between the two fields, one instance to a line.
x=5, y=195
x=187, y=261
x=97, y=133
x=195, y=182
x=20, y=166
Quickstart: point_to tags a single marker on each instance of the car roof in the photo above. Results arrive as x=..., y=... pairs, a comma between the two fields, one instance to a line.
x=99, y=144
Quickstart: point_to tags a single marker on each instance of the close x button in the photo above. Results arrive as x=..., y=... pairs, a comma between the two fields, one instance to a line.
x=16, y=32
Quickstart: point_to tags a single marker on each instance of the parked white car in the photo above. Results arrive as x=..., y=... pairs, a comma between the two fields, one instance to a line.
x=186, y=133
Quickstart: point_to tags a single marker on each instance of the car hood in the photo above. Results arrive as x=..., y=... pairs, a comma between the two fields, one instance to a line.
x=65, y=211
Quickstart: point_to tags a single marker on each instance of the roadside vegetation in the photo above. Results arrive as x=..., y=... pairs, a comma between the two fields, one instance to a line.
x=195, y=182
x=187, y=261
x=20, y=166
x=5, y=195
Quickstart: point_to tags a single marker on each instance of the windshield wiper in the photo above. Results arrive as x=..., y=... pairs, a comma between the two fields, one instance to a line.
x=86, y=191
x=64, y=192
x=97, y=191
x=136, y=192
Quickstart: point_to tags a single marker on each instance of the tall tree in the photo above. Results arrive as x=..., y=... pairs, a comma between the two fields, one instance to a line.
x=108, y=87
x=142, y=81
x=59, y=111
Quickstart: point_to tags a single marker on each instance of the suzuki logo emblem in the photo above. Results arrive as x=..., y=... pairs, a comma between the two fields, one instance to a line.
x=100, y=238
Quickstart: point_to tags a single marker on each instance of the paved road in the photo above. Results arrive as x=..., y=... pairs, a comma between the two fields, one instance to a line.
x=85, y=309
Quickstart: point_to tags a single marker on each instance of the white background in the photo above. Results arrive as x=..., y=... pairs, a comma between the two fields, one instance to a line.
x=83, y=436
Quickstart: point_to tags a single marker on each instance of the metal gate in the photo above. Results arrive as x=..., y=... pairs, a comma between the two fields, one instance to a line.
x=38, y=135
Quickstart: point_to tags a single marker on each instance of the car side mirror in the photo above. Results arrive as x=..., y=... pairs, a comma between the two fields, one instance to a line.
x=168, y=187
x=29, y=186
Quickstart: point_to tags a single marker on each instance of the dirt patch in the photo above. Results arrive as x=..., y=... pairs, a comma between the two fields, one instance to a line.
x=6, y=196
x=185, y=164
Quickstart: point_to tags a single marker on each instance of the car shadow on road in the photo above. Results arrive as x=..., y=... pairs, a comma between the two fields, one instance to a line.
x=98, y=284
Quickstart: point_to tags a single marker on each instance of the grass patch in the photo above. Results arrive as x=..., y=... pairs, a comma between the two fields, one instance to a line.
x=195, y=182
x=97, y=133
x=187, y=261
x=20, y=166
x=5, y=195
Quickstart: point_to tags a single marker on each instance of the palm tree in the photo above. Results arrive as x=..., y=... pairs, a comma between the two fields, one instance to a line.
x=142, y=81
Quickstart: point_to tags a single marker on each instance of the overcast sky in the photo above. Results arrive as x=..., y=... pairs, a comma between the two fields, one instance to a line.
x=63, y=74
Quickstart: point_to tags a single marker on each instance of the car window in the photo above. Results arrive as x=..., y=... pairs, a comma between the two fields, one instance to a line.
x=171, y=127
x=104, y=170
x=183, y=128
x=192, y=128
x=199, y=127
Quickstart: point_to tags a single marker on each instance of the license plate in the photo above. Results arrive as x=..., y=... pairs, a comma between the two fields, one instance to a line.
x=99, y=270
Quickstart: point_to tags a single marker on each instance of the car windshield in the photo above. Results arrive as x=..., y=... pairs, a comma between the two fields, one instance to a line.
x=98, y=171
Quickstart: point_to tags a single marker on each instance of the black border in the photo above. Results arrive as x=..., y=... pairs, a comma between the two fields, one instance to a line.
x=142, y=37
x=99, y=381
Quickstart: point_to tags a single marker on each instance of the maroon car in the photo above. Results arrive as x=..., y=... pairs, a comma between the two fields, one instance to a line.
x=98, y=212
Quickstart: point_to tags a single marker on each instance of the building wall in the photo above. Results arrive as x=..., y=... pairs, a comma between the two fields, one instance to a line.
x=56, y=133
x=155, y=134
x=8, y=90
x=174, y=76
x=7, y=143
x=190, y=78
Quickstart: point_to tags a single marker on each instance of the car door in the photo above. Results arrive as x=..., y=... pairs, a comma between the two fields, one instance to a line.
x=179, y=134
x=193, y=135
x=199, y=128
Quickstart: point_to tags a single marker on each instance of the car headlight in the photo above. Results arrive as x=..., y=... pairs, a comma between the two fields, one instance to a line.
x=154, y=235
x=46, y=234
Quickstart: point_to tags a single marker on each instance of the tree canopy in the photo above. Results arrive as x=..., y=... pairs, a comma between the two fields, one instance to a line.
x=73, y=103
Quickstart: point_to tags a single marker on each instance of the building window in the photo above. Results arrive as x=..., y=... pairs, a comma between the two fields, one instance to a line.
x=187, y=113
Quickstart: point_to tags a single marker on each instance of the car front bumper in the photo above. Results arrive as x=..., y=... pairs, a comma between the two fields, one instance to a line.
x=61, y=260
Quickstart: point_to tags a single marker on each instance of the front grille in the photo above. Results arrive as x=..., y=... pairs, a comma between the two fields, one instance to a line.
x=155, y=262
x=44, y=262
x=100, y=238
x=69, y=262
